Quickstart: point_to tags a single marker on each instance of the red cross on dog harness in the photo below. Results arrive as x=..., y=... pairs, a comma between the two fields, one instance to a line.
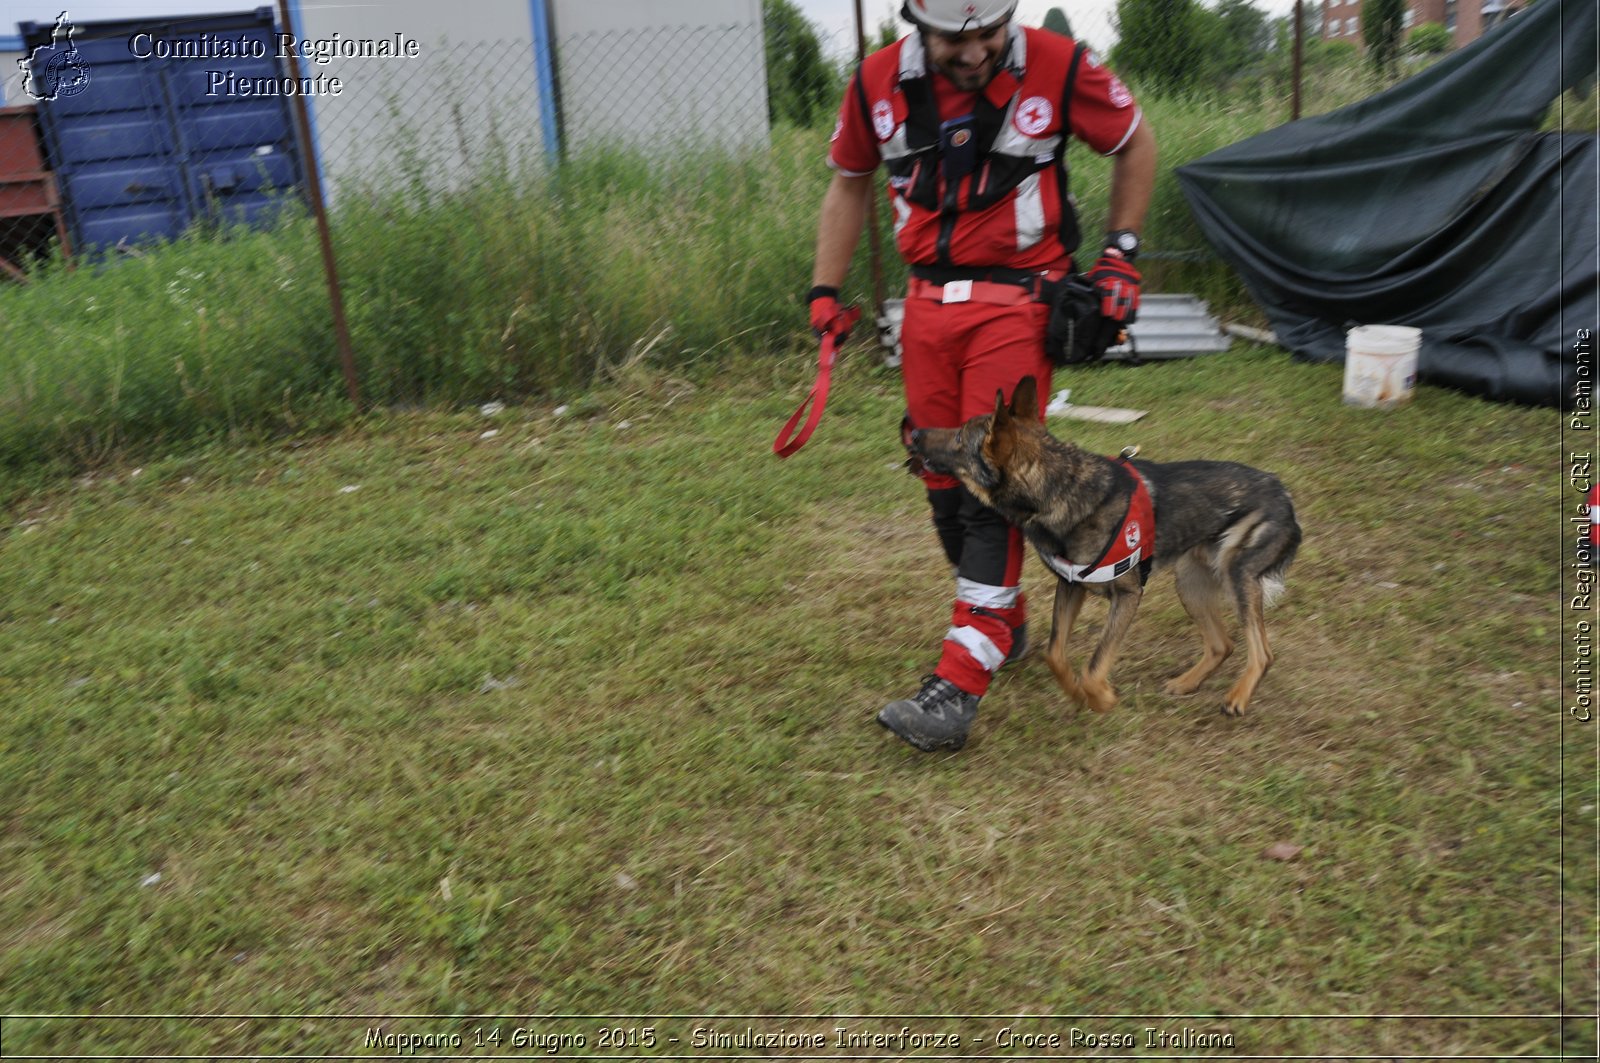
x=1132, y=544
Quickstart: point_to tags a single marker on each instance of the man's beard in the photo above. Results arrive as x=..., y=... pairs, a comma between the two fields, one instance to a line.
x=970, y=80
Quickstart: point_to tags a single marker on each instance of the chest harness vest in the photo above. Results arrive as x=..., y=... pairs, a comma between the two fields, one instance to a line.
x=1132, y=544
x=986, y=155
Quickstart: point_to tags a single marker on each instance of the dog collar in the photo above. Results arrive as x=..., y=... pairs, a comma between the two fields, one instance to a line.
x=1132, y=544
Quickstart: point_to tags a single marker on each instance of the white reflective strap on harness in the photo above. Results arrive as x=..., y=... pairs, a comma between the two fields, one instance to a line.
x=1132, y=544
x=1084, y=574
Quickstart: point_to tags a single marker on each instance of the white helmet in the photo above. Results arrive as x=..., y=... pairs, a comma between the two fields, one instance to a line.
x=957, y=16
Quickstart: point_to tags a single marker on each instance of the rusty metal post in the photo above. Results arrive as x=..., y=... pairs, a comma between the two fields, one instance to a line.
x=874, y=246
x=330, y=266
x=1299, y=34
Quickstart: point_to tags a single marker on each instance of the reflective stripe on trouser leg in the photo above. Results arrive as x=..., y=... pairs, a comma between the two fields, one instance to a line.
x=979, y=637
x=988, y=599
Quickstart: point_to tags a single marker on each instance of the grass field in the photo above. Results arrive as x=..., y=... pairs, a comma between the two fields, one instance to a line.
x=473, y=717
x=577, y=717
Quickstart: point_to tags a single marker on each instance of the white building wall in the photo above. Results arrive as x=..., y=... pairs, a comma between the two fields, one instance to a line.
x=11, y=94
x=670, y=74
x=661, y=74
x=468, y=100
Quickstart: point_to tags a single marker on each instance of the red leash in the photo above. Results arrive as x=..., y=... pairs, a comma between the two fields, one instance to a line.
x=788, y=442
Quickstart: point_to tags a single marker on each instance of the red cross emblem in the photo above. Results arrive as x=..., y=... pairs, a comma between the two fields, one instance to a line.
x=1034, y=115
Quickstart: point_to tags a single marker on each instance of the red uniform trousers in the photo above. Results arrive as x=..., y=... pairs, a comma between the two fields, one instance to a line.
x=955, y=357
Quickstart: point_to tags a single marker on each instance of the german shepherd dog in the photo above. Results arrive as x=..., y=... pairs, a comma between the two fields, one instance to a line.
x=1227, y=530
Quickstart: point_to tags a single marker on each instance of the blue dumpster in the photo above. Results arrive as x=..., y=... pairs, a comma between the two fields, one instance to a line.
x=147, y=138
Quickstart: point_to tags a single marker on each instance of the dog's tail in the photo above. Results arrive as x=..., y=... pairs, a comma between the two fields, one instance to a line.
x=1272, y=578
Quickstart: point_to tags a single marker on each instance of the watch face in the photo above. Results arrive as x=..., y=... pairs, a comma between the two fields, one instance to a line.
x=1127, y=243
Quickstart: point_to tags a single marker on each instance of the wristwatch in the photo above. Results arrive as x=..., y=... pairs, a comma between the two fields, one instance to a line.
x=1125, y=242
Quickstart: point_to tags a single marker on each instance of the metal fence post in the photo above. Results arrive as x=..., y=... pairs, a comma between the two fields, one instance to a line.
x=330, y=266
x=874, y=247
x=1299, y=36
x=544, y=61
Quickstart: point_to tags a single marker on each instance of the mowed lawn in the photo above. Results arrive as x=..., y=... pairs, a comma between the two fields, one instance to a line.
x=571, y=712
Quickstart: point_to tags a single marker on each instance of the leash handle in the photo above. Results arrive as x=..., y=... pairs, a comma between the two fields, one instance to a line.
x=789, y=440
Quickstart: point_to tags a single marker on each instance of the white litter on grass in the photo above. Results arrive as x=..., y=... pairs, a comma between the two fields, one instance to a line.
x=349, y=489
x=559, y=411
x=491, y=684
x=150, y=880
x=492, y=409
x=623, y=425
x=490, y=434
x=1060, y=405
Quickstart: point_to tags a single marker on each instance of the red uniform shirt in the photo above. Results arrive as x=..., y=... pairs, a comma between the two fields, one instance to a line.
x=1030, y=225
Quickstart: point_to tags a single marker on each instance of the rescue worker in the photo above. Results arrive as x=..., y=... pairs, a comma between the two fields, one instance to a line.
x=970, y=115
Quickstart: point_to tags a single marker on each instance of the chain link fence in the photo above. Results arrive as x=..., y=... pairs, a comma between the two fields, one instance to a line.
x=394, y=214
x=575, y=159
x=125, y=134
x=132, y=132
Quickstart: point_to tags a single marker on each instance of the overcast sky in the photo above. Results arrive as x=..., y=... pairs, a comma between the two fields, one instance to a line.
x=1091, y=19
x=835, y=18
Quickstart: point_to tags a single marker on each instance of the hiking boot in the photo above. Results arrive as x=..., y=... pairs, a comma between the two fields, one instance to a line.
x=936, y=717
x=1019, y=645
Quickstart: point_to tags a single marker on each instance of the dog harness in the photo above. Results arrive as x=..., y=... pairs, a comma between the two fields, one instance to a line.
x=1133, y=544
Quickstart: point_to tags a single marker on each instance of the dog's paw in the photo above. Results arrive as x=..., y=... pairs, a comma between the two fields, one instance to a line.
x=1098, y=695
x=1238, y=697
x=1065, y=678
x=1178, y=687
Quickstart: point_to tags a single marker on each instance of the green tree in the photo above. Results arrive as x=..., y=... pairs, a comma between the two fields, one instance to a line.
x=1055, y=20
x=798, y=78
x=1244, y=37
x=1430, y=38
x=888, y=33
x=1382, y=25
x=1167, y=44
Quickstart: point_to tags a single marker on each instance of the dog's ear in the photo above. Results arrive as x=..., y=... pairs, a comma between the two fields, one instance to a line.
x=1025, y=399
x=999, y=439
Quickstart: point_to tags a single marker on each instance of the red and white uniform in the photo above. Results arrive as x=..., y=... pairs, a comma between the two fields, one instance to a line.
x=1014, y=210
x=992, y=195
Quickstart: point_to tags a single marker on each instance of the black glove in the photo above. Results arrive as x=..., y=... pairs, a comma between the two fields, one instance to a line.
x=1077, y=331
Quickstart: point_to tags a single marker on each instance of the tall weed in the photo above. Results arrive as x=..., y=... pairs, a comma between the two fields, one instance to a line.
x=512, y=280
x=203, y=337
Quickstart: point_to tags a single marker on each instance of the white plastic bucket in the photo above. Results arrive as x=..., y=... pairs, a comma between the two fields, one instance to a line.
x=1380, y=365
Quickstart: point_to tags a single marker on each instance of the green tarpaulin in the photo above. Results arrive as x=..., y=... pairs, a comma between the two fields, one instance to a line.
x=1436, y=204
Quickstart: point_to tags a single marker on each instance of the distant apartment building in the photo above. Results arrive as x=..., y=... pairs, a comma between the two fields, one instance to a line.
x=1465, y=19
